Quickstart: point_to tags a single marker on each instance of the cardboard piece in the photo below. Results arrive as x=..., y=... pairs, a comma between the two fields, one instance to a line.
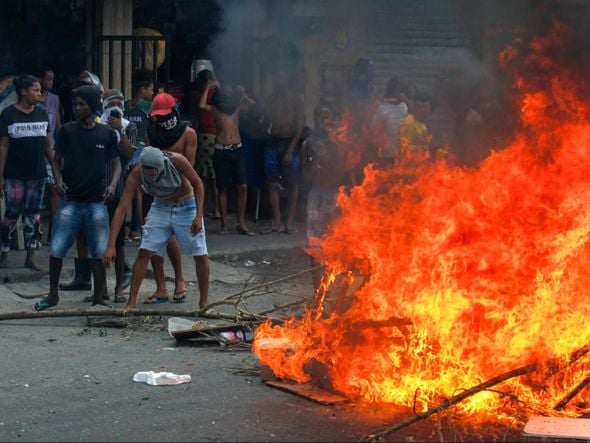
x=559, y=427
x=309, y=391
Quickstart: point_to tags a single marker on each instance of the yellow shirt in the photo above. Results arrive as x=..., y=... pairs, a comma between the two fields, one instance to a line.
x=413, y=135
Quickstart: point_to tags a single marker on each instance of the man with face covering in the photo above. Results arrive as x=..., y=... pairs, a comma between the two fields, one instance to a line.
x=177, y=211
x=82, y=151
x=167, y=132
x=113, y=107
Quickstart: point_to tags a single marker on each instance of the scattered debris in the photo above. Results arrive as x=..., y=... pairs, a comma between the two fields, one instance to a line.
x=309, y=391
x=161, y=378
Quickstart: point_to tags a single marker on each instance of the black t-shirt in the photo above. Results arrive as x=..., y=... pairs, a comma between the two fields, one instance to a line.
x=86, y=151
x=26, y=142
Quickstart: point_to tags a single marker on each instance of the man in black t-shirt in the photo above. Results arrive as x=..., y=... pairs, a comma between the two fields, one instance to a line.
x=82, y=151
x=24, y=144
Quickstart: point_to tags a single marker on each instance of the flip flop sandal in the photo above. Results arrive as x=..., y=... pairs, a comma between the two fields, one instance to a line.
x=41, y=305
x=90, y=298
x=244, y=231
x=155, y=300
x=120, y=299
x=179, y=297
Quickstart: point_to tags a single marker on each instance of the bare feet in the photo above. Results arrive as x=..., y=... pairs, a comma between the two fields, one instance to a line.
x=32, y=265
x=243, y=230
x=179, y=287
x=159, y=294
x=273, y=228
x=30, y=261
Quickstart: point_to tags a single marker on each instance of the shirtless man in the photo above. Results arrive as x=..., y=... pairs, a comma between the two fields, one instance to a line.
x=177, y=210
x=168, y=133
x=228, y=157
x=281, y=159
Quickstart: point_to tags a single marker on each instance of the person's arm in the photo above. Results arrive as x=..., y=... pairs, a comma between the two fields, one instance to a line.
x=203, y=102
x=112, y=187
x=131, y=185
x=188, y=171
x=57, y=166
x=3, y=155
x=114, y=154
x=190, y=145
x=124, y=141
x=49, y=148
x=288, y=156
x=245, y=99
x=58, y=116
x=57, y=163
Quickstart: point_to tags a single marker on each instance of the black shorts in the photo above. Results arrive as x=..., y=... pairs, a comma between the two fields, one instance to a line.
x=230, y=168
x=112, y=207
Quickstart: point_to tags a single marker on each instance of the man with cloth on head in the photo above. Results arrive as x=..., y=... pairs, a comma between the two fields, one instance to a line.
x=177, y=210
x=82, y=151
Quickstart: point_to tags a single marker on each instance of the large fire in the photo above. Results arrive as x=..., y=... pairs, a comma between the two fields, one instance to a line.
x=463, y=274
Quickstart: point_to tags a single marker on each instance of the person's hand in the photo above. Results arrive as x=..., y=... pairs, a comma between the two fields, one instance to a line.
x=197, y=225
x=115, y=123
x=109, y=256
x=109, y=193
x=61, y=187
x=288, y=157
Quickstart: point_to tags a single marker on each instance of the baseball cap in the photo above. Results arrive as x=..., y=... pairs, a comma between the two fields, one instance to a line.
x=162, y=104
x=111, y=95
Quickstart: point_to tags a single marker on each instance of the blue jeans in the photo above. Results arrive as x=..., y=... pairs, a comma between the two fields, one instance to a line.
x=164, y=220
x=71, y=218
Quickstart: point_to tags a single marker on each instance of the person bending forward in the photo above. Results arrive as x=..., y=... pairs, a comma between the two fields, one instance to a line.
x=177, y=210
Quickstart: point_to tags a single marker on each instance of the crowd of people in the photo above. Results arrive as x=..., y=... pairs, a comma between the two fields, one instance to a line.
x=103, y=156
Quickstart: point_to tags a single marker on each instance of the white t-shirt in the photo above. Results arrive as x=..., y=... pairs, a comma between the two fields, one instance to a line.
x=389, y=116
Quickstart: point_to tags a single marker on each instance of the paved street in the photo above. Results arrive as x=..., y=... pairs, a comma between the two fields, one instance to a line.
x=65, y=379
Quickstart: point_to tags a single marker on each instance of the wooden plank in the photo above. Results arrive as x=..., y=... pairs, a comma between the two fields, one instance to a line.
x=558, y=427
x=205, y=331
x=310, y=392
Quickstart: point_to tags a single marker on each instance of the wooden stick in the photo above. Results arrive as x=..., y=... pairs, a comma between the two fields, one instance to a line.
x=121, y=312
x=550, y=368
x=272, y=282
x=565, y=400
x=451, y=401
x=118, y=312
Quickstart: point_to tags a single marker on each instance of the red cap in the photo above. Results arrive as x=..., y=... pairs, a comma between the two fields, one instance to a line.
x=162, y=104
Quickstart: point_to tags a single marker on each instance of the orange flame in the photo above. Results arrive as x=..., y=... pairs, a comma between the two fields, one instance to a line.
x=461, y=275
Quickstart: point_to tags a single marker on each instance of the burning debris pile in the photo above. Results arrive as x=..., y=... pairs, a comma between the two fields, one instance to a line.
x=464, y=274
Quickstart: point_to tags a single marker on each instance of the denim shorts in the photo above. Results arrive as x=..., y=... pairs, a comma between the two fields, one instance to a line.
x=71, y=218
x=163, y=221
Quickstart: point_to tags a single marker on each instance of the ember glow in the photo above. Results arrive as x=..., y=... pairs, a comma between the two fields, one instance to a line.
x=461, y=275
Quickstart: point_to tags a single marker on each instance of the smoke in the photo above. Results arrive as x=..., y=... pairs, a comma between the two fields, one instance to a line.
x=232, y=45
x=446, y=48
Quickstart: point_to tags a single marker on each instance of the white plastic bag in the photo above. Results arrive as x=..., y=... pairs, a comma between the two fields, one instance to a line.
x=161, y=378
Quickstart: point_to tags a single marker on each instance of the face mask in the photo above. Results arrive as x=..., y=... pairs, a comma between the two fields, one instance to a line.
x=168, y=122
